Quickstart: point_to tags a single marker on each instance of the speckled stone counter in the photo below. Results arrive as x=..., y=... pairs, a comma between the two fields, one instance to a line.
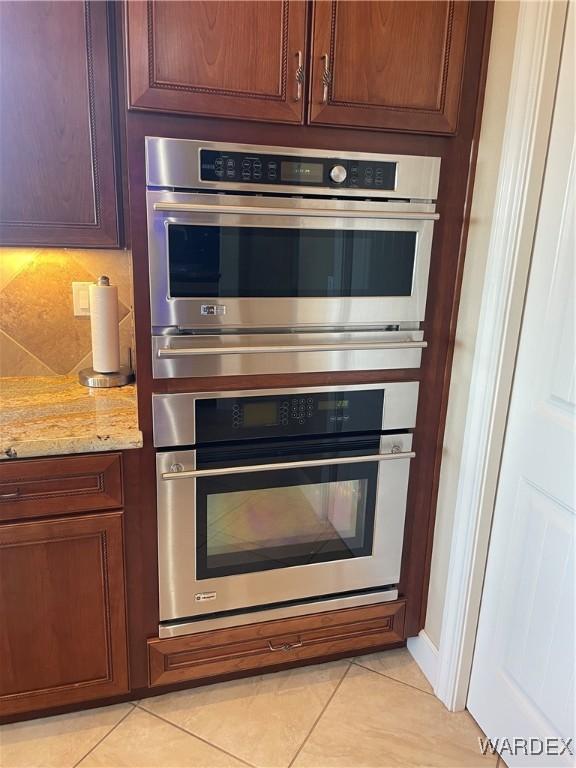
x=52, y=415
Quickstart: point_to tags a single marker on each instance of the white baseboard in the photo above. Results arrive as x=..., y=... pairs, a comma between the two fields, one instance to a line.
x=425, y=654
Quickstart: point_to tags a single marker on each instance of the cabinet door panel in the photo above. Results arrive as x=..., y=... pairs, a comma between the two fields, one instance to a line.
x=57, y=168
x=63, y=629
x=395, y=65
x=232, y=59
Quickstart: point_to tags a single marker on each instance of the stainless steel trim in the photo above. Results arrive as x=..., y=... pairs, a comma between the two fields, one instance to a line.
x=282, y=612
x=176, y=163
x=174, y=415
x=251, y=210
x=326, y=77
x=286, y=465
x=265, y=349
x=305, y=352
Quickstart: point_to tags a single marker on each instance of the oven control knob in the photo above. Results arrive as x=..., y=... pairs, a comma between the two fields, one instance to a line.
x=338, y=174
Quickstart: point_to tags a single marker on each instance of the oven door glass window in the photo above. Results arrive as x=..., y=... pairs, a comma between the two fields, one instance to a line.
x=259, y=262
x=263, y=520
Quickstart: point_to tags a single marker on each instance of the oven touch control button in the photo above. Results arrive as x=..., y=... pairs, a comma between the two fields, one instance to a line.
x=338, y=174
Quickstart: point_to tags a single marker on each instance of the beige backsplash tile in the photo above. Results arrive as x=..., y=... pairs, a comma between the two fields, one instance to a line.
x=103, y=262
x=15, y=360
x=12, y=261
x=39, y=333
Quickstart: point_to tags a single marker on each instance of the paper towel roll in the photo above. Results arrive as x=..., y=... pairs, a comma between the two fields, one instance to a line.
x=104, y=326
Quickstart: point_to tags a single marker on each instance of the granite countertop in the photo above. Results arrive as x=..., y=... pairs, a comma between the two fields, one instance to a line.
x=52, y=415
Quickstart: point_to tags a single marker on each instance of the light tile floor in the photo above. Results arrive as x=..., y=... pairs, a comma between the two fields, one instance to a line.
x=376, y=711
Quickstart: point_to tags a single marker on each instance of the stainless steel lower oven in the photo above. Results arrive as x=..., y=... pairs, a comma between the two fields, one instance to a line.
x=280, y=502
x=249, y=244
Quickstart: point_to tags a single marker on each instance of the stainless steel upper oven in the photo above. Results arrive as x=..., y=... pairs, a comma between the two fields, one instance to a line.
x=278, y=501
x=244, y=238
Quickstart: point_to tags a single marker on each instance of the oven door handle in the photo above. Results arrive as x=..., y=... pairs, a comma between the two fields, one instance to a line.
x=183, y=474
x=285, y=211
x=341, y=347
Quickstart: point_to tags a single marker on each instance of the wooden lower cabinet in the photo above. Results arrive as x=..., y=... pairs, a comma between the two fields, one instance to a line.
x=274, y=643
x=63, y=626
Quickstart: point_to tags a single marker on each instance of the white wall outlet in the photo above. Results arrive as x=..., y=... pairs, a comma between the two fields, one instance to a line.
x=81, y=298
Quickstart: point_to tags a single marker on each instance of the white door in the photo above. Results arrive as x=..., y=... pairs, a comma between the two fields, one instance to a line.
x=522, y=685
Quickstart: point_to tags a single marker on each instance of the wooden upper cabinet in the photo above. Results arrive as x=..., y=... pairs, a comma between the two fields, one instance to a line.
x=229, y=59
x=57, y=167
x=391, y=65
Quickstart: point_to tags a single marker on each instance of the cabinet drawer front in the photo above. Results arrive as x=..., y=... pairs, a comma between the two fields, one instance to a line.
x=60, y=486
x=273, y=643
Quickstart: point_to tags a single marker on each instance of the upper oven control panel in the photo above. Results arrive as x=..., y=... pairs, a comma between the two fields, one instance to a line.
x=287, y=170
x=189, y=164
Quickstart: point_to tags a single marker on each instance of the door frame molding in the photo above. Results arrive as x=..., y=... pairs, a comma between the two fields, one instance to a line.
x=533, y=83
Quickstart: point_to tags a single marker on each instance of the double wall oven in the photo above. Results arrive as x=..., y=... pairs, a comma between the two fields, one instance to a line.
x=268, y=259
x=276, y=503
x=279, y=502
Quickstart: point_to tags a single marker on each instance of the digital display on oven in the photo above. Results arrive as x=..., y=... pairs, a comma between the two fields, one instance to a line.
x=298, y=171
x=333, y=405
x=260, y=414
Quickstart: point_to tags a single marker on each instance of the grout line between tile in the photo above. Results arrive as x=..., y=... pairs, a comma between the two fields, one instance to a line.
x=34, y=251
x=105, y=735
x=395, y=679
x=324, y=708
x=194, y=735
x=27, y=351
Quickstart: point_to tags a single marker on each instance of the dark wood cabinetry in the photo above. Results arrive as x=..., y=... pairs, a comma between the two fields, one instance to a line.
x=232, y=59
x=63, y=629
x=275, y=643
x=393, y=65
x=369, y=64
x=57, y=163
x=60, y=486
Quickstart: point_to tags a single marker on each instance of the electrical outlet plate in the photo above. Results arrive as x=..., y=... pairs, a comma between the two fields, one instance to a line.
x=81, y=298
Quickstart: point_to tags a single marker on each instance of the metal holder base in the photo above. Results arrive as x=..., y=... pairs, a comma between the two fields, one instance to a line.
x=91, y=378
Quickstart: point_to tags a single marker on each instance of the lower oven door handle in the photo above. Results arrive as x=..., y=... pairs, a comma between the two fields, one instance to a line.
x=285, y=211
x=337, y=347
x=286, y=465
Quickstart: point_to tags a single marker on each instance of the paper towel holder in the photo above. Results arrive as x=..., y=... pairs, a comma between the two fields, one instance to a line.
x=91, y=378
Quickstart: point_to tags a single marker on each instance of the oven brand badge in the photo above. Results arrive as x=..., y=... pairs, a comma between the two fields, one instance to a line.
x=213, y=309
x=202, y=597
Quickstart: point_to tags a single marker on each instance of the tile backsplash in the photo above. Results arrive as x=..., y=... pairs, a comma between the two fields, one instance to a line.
x=39, y=334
